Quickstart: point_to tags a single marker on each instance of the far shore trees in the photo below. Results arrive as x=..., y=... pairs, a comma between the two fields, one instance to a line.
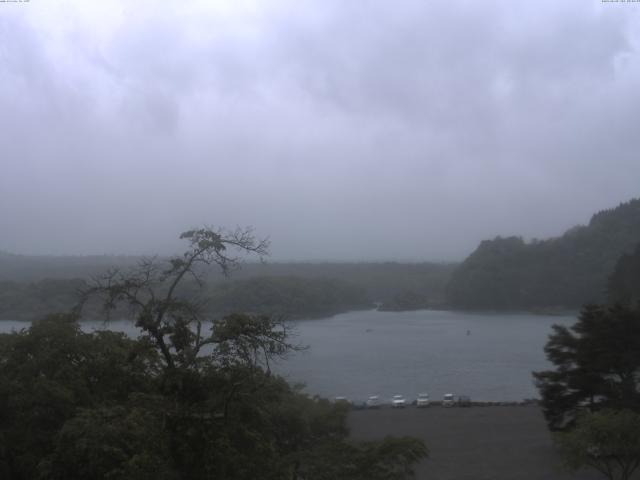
x=624, y=282
x=558, y=273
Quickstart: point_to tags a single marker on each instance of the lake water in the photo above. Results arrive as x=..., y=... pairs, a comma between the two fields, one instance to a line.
x=362, y=353
x=489, y=357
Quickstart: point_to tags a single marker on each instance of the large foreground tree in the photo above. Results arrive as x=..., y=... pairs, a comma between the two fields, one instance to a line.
x=597, y=364
x=174, y=322
x=191, y=398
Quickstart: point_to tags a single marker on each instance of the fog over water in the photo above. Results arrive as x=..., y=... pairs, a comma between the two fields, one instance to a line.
x=342, y=130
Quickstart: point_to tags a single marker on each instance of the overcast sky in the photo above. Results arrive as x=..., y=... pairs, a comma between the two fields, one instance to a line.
x=343, y=130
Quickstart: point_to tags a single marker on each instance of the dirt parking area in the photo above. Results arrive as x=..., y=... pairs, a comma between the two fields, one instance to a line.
x=475, y=443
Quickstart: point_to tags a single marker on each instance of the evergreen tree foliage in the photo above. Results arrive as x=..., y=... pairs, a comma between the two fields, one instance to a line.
x=624, y=282
x=597, y=365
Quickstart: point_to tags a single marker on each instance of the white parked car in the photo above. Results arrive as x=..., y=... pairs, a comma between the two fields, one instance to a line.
x=373, y=401
x=422, y=400
x=398, y=401
x=448, y=400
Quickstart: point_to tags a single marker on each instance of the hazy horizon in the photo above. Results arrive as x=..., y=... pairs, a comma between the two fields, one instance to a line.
x=270, y=259
x=342, y=131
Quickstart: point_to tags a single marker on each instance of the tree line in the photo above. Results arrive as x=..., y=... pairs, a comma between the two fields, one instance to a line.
x=291, y=297
x=291, y=289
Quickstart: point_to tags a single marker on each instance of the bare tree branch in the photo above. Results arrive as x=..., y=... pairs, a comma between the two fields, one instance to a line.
x=174, y=323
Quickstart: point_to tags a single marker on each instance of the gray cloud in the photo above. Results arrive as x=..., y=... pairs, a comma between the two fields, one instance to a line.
x=343, y=130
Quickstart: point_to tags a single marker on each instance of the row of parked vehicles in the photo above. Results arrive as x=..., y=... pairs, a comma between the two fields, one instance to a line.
x=422, y=400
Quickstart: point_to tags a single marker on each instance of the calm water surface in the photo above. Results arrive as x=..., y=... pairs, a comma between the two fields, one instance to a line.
x=368, y=352
x=363, y=353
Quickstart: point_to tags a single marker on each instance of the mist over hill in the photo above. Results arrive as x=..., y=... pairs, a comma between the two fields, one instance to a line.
x=34, y=268
x=506, y=273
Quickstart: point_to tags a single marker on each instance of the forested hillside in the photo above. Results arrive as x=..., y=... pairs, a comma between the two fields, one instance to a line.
x=624, y=282
x=563, y=272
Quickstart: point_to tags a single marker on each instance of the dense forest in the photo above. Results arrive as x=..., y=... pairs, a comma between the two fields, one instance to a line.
x=563, y=272
x=291, y=297
x=288, y=296
x=26, y=301
x=624, y=282
x=31, y=287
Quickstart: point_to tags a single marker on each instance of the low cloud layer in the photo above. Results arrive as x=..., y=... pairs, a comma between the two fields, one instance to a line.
x=342, y=130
